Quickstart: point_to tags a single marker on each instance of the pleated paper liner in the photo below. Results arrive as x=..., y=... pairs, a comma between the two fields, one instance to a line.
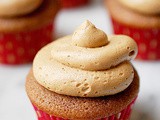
x=21, y=47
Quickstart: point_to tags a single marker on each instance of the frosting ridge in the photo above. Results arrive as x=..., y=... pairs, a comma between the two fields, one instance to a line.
x=86, y=70
x=100, y=58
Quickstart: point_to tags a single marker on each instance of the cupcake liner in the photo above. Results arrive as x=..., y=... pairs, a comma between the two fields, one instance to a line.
x=21, y=47
x=148, y=40
x=73, y=3
x=123, y=115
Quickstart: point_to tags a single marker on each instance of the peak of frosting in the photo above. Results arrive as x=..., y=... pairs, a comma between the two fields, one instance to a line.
x=143, y=6
x=9, y=8
x=82, y=71
x=87, y=35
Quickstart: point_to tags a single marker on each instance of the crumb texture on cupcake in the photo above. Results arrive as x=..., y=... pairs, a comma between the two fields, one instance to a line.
x=86, y=64
x=10, y=8
x=143, y=6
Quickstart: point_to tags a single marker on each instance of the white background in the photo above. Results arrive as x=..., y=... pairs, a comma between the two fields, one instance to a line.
x=14, y=104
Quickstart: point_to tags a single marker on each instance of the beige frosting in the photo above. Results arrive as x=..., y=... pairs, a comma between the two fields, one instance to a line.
x=10, y=8
x=68, y=67
x=143, y=6
x=82, y=36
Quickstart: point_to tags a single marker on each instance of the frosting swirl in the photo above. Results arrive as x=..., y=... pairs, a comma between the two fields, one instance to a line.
x=143, y=6
x=10, y=8
x=87, y=35
x=75, y=65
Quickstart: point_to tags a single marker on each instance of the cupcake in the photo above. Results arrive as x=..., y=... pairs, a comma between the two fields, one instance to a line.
x=73, y=3
x=26, y=26
x=84, y=76
x=139, y=20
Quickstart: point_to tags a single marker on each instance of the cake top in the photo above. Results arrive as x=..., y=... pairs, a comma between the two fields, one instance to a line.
x=87, y=63
x=10, y=8
x=143, y=6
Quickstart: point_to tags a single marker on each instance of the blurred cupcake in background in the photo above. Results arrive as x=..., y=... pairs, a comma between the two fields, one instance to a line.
x=140, y=19
x=83, y=77
x=73, y=3
x=25, y=27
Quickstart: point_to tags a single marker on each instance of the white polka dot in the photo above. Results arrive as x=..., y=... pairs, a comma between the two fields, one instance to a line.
x=152, y=56
x=147, y=34
x=1, y=36
x=126, y=31
x=1, y=48
x=1, y=60
x=136, y=36
x=155, y=31
x=11, y=58
x=20, y=51
x=9, y=45
x=153, y=43
x=142, y=47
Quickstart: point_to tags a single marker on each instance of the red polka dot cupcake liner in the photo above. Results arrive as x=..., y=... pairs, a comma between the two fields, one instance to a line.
x=73, y=3
x=148, y=40
x=21, y=47
x=123, y=115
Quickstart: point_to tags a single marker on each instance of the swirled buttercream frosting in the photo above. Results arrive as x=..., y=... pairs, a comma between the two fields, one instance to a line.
x=87, y=63
x=143, y=6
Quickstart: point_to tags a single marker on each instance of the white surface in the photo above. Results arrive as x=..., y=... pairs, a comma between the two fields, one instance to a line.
x=14, y=104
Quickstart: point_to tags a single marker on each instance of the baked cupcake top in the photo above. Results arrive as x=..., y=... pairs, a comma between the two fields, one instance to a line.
x=9, y=8
x=87, y=63
x=143, y=6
